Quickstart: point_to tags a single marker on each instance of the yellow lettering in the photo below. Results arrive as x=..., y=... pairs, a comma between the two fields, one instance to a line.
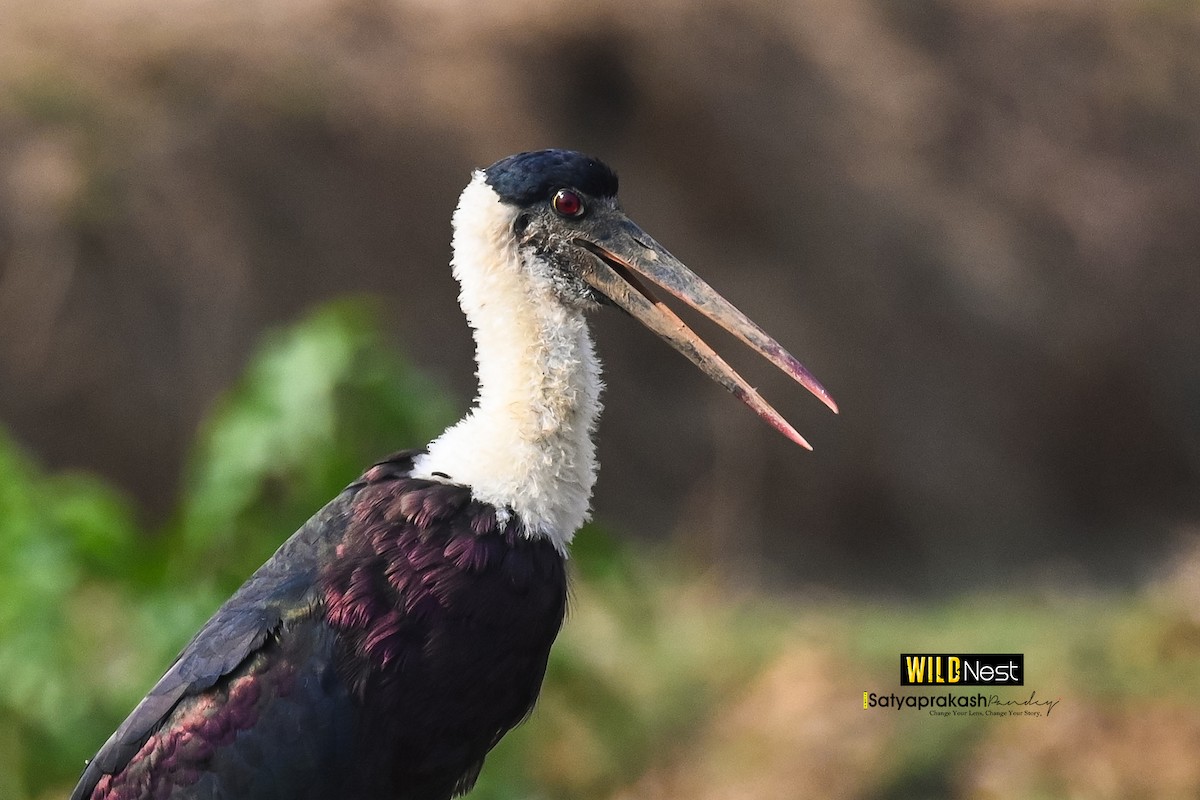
x=916, y=669
x=955, y=669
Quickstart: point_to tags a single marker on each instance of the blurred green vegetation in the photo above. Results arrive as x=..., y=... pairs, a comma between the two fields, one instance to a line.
x=654, y=661
x=93, y=607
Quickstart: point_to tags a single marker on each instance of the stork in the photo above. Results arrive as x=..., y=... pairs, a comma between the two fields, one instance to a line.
x=392, y=641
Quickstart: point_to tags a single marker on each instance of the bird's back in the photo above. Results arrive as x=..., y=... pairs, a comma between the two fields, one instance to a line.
x=380, y=653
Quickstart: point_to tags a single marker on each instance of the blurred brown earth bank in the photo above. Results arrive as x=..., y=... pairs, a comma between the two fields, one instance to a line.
x=976, y=222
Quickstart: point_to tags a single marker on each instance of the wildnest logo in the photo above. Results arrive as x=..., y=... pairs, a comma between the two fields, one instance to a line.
x=974, y=669
x=952, y=670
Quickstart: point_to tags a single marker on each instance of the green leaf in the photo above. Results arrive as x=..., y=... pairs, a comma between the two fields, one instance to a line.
x=319, y=402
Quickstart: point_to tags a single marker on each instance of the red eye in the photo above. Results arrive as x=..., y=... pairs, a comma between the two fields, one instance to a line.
x=568, y=204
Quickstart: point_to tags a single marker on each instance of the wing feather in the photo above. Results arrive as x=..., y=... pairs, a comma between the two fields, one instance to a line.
x=283, y=589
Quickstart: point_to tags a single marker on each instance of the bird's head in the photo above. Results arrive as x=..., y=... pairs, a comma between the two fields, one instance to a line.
x=558, y=209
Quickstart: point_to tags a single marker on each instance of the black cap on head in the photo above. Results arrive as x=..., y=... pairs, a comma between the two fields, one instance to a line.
x=531, y=177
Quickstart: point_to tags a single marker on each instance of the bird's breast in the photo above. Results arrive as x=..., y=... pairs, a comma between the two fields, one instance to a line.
x=444, y=615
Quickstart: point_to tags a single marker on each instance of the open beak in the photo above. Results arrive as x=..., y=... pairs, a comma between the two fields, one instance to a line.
x=627, y=260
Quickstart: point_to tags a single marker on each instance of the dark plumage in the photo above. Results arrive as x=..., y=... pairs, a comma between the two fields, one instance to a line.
x=526, y=178
x=381, y=652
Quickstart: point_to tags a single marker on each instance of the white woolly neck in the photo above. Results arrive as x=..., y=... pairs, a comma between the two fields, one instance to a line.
x=526, y=445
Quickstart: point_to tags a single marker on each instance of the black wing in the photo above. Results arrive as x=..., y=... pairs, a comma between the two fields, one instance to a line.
x=241, y=640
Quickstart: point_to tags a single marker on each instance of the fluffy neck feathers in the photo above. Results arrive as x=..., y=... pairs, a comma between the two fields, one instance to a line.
x=527, y=442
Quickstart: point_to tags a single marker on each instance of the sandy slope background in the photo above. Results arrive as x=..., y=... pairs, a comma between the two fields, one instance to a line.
x=977, y=222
